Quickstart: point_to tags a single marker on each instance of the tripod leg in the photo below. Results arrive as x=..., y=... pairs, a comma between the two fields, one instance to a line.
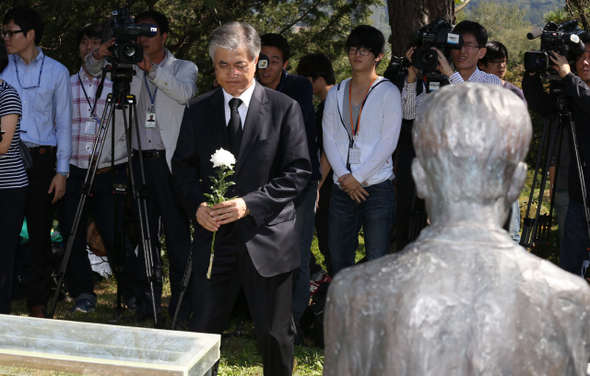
x=139, y=196
x=184, y=286
x=84, y=193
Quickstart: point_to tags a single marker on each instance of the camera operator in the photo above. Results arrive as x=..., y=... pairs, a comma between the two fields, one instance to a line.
x=162, y=85
x=465, y=61
x=88, y=104
x=575, y=243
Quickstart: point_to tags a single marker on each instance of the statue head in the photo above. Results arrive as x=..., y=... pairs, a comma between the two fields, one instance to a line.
x=470, y=142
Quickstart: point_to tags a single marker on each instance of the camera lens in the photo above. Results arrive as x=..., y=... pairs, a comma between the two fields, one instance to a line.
x=129, y=51
x=430, y=58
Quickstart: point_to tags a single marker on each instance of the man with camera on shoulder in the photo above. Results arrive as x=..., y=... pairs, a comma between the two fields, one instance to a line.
x=465, y=60
x=162, y=85
x=576, y=87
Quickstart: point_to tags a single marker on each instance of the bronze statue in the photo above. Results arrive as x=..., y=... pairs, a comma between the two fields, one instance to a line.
x=463, y=299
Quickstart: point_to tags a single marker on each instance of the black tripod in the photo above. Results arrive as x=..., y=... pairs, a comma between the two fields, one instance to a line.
x=536, y=230
x=119, y=99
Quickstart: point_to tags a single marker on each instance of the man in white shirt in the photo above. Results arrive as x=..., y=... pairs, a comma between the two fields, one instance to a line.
x=361, y=126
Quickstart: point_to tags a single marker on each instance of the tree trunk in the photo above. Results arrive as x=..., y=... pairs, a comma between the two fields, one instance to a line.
x=579, y=9
x=405, y=17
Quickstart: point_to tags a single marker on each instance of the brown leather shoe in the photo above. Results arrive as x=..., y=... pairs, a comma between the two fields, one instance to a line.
x=38, y=311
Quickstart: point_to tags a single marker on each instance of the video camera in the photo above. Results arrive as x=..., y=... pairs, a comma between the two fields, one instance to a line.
x=123, y=28
x=562, y=38
x=436, y=34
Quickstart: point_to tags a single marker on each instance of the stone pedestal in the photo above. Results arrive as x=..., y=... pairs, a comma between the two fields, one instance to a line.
x=101, y=349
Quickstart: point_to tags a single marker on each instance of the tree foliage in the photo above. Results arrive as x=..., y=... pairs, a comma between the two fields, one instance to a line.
x=505, y=23
x=579, y=9
x=309, y=25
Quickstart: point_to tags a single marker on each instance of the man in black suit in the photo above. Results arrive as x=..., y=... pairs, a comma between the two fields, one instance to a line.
x=256, y=244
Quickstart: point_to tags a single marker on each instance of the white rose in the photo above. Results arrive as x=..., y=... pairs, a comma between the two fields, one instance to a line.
x=222, y=157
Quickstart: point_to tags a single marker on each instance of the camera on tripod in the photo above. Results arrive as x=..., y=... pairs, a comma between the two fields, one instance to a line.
x=562, y=38
x=437, y=34
x=123, y=28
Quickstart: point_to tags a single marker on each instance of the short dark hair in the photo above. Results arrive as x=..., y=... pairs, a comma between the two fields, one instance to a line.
x=159, y=18
x=495, y=50
x=278, y=41
x=3, y=57
x=471, y=27
x=368, y=37
x=27, y=19
x=91, y=30
x=317, y=65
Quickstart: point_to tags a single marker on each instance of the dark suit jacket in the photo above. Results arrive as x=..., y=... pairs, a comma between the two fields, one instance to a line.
x=272, y=167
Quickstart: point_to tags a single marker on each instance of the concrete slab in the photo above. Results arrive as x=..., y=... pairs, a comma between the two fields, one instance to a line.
x=101, y=349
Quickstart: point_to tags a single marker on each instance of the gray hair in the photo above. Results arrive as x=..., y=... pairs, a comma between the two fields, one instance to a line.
x=234, y=35
x=470, y=138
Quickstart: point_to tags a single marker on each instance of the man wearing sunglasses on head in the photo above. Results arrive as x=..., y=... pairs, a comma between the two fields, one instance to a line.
x=43, y=85
x=465, y=61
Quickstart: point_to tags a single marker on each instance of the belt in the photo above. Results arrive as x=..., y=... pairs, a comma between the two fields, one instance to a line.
x=103, y=170
x=151, y=154
x=42, y=150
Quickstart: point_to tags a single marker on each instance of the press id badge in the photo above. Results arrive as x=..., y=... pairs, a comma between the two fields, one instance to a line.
x=150, y=119
x=354, y=155
x=90, y=127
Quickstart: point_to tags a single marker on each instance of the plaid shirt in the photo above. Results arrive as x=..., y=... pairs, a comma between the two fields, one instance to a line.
x=411, y=102
x=83, y=135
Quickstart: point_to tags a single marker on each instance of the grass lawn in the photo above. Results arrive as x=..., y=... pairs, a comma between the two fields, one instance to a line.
x=239, y=354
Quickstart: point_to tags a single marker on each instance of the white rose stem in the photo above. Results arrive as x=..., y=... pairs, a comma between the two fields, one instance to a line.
x=211, y=258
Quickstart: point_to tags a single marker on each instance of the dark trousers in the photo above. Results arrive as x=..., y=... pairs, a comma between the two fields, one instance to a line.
x=269, y=300
x=103, y=205
x=162, y=203
x=39, y=214
x=576, y=243
x=11, y=221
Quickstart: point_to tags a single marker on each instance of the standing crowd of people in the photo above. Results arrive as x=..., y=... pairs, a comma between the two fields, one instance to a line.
x=297, y=168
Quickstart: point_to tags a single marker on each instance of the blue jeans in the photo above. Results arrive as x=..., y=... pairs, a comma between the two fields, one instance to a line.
x=375, y=215
x=575, y=243
x=304, y=220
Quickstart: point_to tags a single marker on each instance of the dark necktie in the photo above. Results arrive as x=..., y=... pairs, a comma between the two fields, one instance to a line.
x=234, y=128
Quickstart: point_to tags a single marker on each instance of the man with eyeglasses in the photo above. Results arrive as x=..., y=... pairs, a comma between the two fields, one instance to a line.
x=361, y=126
x=465, y=61
x=256, y=241
x=275, y=76
x=162, y=85
x=496, y=62
x=43, y=85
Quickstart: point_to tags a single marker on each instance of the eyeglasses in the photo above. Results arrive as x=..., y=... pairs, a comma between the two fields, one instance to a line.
x=239, y=69
x=363, y=51
x=10, y=33
x=498, y=63
x=470, y=46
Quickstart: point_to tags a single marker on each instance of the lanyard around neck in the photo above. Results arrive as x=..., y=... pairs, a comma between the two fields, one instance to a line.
x=152, y=98
x=40, y=73
x=353, y=129
x=92, y=106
